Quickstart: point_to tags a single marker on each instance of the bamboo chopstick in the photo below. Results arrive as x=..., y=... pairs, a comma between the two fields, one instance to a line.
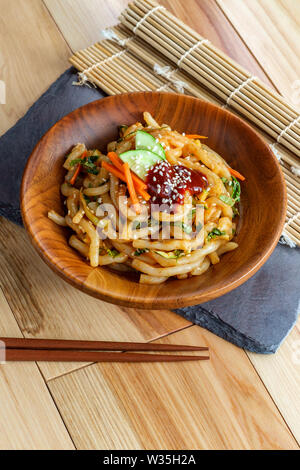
x=26, y=349
x=58, y=344
x=91, y=356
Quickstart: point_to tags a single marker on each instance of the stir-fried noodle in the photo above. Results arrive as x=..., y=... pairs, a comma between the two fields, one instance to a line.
x=160, y=203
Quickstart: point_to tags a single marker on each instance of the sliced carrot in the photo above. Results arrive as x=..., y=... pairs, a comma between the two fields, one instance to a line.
x=131, y=187
x=144, y=194
x=119, y=164
x=138, y=182
x=78, y=169
x=237, y=174
x=196, y=136
x=114, y=171
x=116, y=160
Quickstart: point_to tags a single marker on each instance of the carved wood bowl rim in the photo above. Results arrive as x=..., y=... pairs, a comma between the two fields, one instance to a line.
x=226, y=133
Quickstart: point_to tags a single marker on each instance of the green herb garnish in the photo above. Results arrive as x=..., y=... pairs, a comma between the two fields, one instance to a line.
x=140, y=251
x=215, y=233
x=228, y=200
x=178, y=253
x=113, y=253
x=187, y=228
x=235, y=193
x=236, y=190
x=88, y=163
x=171, y=254
x=75, y=161
x=235, y=211
x=88, y=200
x=122, y=129
x=137, y=226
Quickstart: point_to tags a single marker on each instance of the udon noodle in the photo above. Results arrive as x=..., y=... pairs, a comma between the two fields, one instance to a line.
x=175, y=220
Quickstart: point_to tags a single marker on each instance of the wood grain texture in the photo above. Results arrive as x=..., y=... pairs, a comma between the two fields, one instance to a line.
x=207, y=19
x=37, y=308
x=276, y=38
x=47, y=307
x=29, y=355
x=219, y=404
x=77, y=345
x=281, y=376
x=263, y=197
x=28, y=417
x=81, y=22
x=32, y=55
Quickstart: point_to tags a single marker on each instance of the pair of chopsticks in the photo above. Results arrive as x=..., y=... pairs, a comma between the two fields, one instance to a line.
x=23, y=349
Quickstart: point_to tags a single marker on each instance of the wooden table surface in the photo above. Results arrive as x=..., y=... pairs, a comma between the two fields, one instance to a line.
x=237, y=400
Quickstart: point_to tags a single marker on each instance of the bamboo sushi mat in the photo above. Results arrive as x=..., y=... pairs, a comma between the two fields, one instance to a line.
x=152, y=50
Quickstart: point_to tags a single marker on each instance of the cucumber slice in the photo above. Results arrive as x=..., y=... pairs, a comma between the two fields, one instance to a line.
x=140, y=161
x=146, y=141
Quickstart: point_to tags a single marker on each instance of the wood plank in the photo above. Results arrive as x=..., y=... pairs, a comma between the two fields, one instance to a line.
x=21, y=95
x=47, y=307
x=38, y=311
x=280, y=373
x=81, y=22
x=28, y=416
x=271, y=31
x=275, y=46
x=33, y=55
x=220, y=404
x=207, y=19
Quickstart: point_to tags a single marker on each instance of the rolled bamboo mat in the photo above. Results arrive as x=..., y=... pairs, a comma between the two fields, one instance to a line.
x=213, y=69
x=128, y=59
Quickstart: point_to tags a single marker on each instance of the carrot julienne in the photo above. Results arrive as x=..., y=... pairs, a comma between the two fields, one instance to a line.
x=131, y=187
x=134, y=180
x=78, y=169
x=195, y=136
x=116, y=160
x=144, y=194
x=237, y=174
x=139, y=185
x=138, y=182
x=114, y=171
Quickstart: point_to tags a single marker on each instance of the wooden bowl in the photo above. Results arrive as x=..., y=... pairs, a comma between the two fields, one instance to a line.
x=263, y=202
